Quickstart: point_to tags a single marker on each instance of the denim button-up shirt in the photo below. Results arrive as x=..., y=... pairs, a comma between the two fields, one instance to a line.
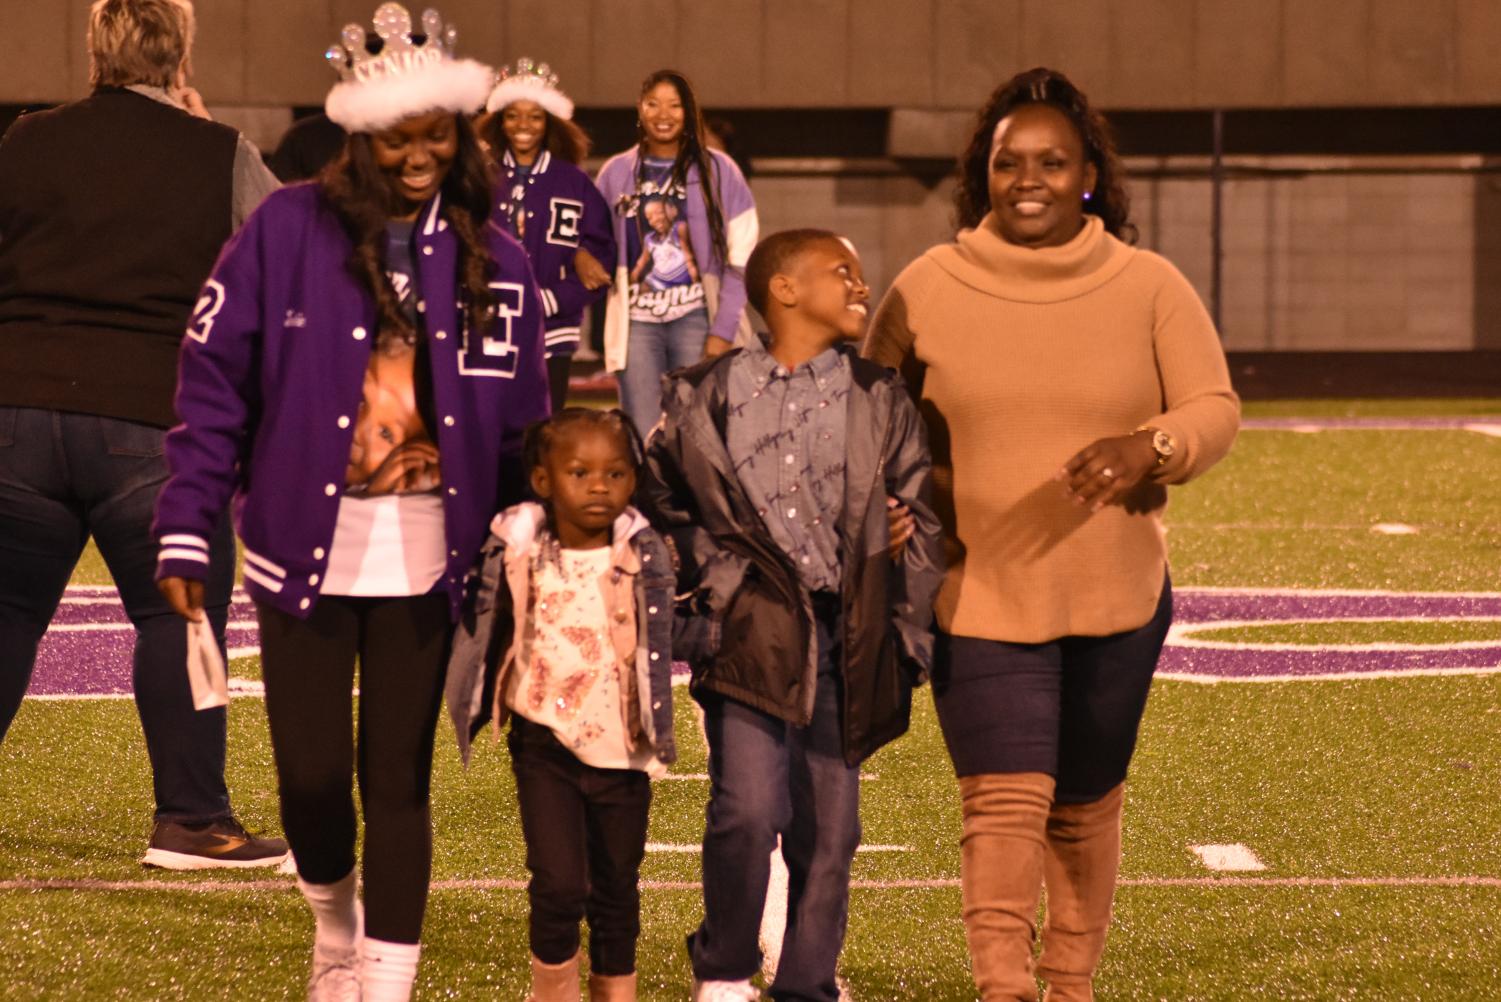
x=786, y=436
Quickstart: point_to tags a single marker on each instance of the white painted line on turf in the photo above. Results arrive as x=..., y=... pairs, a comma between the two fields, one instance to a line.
x=703, y=777
x=1186, y=635
x=234, y=624
x=1346, y=676
x=1232, y=857
x=694, y=848
x=1394, y=529
x=286, y=884
x=1329, y=592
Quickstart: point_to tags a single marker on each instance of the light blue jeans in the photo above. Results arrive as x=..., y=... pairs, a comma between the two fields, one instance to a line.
x=654, y=351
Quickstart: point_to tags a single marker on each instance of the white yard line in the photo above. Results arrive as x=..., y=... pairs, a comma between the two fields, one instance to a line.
x=692, y=848
x=286, y=884
x=703, y=777
x=1343, y=676
x=1187, y=634
x=1329, y=592
x=1234, y=857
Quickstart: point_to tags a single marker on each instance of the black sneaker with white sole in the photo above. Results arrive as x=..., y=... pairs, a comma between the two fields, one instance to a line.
x=178, y=846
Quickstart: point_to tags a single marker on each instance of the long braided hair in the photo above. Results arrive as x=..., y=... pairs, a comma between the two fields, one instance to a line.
x=357, y=190
x=1049, y=87
x=691, y=153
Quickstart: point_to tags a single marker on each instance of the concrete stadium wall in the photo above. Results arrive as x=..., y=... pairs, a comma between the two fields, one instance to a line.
x=1353, y=260
x=852, y=53
x=1335, y=256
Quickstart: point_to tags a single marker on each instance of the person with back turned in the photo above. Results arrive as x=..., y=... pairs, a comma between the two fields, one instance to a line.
x=112, y=211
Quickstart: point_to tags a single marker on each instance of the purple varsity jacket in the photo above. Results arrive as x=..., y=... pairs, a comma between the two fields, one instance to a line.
x=270, y=380
x=563, y=211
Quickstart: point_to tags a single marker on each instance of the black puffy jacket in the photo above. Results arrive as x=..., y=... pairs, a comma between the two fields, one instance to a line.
x=752, y=629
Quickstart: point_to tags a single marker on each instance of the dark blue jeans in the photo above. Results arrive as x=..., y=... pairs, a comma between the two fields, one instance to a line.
x=1070, y=707
x=66, y=477
x=769, y=778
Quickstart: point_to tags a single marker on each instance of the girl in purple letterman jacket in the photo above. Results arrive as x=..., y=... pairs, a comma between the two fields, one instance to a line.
x=548, y=203
x=356, y=378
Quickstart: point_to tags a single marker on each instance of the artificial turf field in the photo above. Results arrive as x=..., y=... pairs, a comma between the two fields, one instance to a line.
x=1364, y=781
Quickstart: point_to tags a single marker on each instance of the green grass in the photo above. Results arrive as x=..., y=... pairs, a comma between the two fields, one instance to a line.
x=1443, y=631
x=1297, y=510
x=1364, y=778
x=1390, y=778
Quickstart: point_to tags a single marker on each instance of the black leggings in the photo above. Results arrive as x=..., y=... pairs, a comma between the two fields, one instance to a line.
x=402, y=646
x=558, y=369
x=1070, y=707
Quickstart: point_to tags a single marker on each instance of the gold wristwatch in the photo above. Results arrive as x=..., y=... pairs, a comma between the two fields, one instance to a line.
x=1162, y=443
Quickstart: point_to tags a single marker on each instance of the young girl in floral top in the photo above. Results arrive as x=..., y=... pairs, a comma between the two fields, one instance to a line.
x=570, y=636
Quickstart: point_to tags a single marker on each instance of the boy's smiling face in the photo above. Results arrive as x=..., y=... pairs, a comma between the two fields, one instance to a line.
x=830, y=288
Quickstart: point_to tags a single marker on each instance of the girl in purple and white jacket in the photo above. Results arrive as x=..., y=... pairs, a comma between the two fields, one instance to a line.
x=548, y=203
x=357, y=377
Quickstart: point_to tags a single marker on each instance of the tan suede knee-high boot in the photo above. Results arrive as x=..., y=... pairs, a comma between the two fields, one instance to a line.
x=1082, y=862
x=555, y=982
x=612, y=987
x=1005, y=815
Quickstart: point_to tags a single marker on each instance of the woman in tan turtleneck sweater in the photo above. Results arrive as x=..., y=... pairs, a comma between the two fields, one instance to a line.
x=1066, y=378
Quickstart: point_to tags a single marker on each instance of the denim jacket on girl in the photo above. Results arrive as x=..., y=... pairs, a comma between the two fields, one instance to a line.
x=491, y=636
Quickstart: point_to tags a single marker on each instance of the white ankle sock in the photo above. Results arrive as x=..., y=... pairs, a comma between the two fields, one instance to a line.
x=336, y=910
x=390, y=969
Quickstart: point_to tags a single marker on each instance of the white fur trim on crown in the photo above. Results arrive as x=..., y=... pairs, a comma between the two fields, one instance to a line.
x=456, y=85
x=529, y=88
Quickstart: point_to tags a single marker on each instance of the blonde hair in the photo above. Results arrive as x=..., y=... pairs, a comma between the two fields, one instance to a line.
x=139, y=41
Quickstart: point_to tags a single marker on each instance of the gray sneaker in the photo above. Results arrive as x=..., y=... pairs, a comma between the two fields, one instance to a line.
x=336, y=976
x=177, y=846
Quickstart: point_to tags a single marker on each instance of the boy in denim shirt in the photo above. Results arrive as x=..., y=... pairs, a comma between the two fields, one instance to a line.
x=771, y=471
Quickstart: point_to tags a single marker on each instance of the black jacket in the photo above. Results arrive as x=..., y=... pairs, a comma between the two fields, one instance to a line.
x=112, y=212
x=751, y=635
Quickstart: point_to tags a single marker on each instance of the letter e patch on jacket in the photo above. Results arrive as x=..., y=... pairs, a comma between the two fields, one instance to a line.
x=210, y=302
x=494, y=354
x=563, y=227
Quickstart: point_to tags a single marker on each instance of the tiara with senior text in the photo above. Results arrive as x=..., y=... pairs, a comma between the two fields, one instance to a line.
x=397, y=72
x=530, y=81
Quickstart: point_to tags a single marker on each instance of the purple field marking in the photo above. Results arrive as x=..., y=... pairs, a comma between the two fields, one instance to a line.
x=97, y=662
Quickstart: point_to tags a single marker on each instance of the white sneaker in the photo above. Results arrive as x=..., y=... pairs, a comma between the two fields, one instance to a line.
x=724, y=991
x=336, y=973
x=336, y=976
